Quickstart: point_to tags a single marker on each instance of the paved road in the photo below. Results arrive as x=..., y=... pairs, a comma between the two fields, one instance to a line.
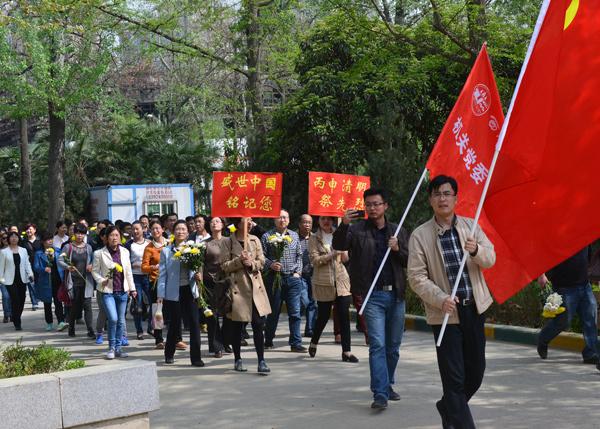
x=519, y=390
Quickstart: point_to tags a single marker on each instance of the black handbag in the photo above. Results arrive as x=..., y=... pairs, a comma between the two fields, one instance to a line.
x=222, y=295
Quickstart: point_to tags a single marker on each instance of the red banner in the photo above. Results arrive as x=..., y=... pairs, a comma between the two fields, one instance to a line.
x=331, y=194
x=465, y=150
x=244, y=194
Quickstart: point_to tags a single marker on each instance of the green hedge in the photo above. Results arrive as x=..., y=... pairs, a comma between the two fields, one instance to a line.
x=523, y=309
x=18, y=360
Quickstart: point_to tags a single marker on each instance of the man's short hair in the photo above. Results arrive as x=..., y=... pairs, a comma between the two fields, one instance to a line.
x=172, y=214
x=376, y=191
x=80, y=228
x=198, y=216
x=440, y=180
x=189, y=218
x=143, y=216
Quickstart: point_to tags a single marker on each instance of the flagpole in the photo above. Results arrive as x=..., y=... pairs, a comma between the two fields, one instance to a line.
x=536, y=31
x=387, y=252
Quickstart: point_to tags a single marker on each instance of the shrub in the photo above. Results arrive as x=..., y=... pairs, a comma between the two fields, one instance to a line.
x=18, y=360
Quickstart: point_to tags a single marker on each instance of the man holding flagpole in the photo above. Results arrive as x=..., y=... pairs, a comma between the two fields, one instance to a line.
x=367, y=241
x=435, y=251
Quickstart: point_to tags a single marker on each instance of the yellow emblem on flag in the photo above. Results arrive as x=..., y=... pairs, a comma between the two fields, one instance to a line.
x=570, y=13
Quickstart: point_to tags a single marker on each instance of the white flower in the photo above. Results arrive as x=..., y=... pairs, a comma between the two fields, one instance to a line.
x=553, y=302
x=186, y=250
x=190, y=243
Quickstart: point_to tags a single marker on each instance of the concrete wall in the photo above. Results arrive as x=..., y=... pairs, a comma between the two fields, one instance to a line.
x=115, y=395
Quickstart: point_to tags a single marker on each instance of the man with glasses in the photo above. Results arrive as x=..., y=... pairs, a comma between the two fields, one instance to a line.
x=367, y=241
x=290, y=267
x=435, y=253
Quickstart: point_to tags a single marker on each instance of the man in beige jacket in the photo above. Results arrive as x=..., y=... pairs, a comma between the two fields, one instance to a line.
x=435, y=251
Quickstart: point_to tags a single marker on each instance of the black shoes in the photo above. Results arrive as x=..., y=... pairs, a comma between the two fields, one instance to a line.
x=263, y=369
x=91, y=334
x=243, y=343
x=593, y=360
x=199, y=363
x=298, y=349
x=542, y=351
x=269, y=346
x=239, y=366
x=227, y=349
x=353, y=359
x=308, y=334
x=312, y=350
x=442, y=411
x=169, y=360
x=379, y=404
x=393, y=396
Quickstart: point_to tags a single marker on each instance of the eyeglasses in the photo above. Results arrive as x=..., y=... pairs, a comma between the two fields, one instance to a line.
x=370, y=205
x=439, y=195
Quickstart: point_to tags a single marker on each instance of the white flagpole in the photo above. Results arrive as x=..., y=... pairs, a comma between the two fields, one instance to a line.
x=387, y=252
x=534, y=37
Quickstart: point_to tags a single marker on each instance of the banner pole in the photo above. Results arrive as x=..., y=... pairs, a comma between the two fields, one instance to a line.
x=387, y=252
x=538, y=25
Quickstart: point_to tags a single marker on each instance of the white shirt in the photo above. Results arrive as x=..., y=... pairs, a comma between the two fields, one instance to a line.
x=57, y=241
x=136, y=255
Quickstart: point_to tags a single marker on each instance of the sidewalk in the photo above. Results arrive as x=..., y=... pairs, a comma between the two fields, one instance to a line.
x=519, y=390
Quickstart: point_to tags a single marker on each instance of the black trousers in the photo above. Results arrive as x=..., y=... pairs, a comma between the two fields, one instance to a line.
x=58, y=307
x=215, y=336
x=79, y=303
x=461, y=361
x=235, y=334
x=16, y=291
x=176, y=309
x=342, y=304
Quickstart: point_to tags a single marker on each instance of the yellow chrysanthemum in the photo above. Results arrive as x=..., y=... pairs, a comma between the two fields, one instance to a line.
x=287, y=238
x=119, y=268
x=232, y=228
x=195, y=251
x=208, y=313
x=177, y=254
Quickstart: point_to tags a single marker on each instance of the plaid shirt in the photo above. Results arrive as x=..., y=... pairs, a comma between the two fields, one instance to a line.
x=307, y=268
x=291, y=260
x=452, y=253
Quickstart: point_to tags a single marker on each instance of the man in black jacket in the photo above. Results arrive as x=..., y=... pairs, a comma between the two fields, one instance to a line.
x=570, y=280
x=367, y=241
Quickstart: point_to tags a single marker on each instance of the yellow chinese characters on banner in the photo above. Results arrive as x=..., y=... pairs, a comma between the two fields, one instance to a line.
x=331, y=194
x=246, y=194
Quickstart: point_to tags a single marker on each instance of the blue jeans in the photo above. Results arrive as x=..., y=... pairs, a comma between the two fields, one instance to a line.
x=580, y=300
x=308, y=303
x=32, y=295
x=115, y=305
x=385, y=321
x=6, y=308
x=291, y=293
x=142, y=286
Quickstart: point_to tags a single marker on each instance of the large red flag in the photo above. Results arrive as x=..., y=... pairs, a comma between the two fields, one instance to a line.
x=543, y=199
x=465, y=149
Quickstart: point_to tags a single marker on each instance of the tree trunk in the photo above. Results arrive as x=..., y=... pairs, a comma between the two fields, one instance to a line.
x=477, y=21
x=26, y=198
x=256, y=129
x=400, y=15
x=56, y=166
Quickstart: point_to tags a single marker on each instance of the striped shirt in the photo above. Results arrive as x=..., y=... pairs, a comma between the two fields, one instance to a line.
x=452, y=253
x=291, y=260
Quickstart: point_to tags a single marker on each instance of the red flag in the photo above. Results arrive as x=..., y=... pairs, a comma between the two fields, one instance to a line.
x=543, y=198
x=464, y=150
x=245, y=194
x=331, y=194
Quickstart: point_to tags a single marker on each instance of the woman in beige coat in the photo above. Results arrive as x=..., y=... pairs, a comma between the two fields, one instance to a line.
x=250, y=301
x=330, y=283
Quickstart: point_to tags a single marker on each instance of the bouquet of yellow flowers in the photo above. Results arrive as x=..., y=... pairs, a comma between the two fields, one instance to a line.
x=116, y=268
x=278, y=242
x=50, y=254
x=191, y=255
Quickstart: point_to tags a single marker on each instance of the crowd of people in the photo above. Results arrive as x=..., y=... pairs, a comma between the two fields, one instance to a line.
x=320, y=270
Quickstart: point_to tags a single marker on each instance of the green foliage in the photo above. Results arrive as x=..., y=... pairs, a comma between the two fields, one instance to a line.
x=18, y=360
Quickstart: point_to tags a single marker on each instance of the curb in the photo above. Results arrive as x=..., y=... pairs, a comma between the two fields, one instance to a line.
x=512, y=334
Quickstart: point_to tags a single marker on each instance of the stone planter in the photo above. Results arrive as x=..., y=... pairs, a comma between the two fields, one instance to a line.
x=115, y=395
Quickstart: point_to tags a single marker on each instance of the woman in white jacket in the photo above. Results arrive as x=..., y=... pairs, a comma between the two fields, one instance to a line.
x=112, y=272
x=15, y=273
